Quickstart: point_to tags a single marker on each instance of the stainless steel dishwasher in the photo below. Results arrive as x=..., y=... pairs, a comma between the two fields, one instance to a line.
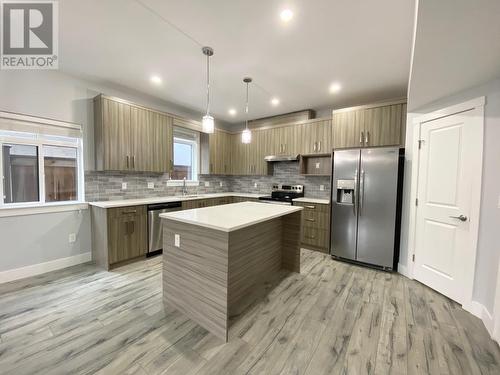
x=155, y=236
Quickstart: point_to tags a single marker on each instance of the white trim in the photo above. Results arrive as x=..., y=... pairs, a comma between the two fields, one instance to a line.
x=402, y=269
x=476, y=104
x=23, y=210
x=479, y=310
x=37, y=269
x=452, y=110
x=39, y=120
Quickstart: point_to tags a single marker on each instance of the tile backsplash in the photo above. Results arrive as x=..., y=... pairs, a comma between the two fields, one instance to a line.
x=108, y=185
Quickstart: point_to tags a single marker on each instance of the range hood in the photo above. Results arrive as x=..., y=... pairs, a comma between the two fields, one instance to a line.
x=281, y=157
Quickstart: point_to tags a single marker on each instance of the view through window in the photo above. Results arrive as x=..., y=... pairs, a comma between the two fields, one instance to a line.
x=186, y=145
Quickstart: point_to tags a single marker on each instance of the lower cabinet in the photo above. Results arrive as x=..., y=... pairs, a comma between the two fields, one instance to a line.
x=315, y=226
x=118, y=234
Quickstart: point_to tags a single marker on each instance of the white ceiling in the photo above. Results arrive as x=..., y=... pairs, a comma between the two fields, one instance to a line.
x=457, y=46
x=364, y=45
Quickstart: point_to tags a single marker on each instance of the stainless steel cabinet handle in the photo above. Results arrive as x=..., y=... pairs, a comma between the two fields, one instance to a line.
x=361, y=136
x=129, y=212
x=461, y=217
x=315, y=146
x=310, y=220
x=310, y=237
x=310, y=207
x=367, y=138
x=133, y=161
x=128, y=161
x=319, y=148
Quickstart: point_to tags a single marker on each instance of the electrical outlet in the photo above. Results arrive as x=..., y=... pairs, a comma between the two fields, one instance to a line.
x=322, y=187
x=221, y=184
x=177, y=240
x=151, y=185
x=317, y=165
x=72, y=238
x=255, y=185
x=207, y=183
x=124, y=186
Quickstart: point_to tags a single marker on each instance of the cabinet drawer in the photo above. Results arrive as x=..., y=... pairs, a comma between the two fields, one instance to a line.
x=318, y=220
x=313, y=207
x=129, y=210
x=315, y=237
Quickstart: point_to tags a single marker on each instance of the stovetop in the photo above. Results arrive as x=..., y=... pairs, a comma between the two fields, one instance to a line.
x=285, y=193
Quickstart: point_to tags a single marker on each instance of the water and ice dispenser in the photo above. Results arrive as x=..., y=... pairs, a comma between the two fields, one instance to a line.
x=345, y=191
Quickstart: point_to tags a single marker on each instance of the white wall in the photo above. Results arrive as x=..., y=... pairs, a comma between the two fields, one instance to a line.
x=488, y=257
x=34, y=239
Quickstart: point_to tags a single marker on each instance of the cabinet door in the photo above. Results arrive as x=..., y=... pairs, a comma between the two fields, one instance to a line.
x=324, y=137
x=115, y=133
x=226, y=153
x=347, y=128
x=308, y=139
x=161, y=142
x=127, y=234
x=142, y=135
x=383, y=125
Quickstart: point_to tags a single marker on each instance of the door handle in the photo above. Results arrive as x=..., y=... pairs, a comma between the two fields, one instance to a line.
x=361, y=190
x=355, y=197
x=461, y=217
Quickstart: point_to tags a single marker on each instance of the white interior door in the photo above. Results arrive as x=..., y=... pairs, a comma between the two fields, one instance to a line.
x=446, y=224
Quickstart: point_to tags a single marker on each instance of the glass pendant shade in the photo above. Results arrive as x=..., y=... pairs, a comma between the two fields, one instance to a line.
x=246, y=136
x=207, y=124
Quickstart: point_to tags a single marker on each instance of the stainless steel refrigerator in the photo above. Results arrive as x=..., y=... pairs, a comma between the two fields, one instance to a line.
x=366, y=187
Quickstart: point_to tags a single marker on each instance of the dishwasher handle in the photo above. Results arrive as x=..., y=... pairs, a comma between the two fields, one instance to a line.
x=164, y=206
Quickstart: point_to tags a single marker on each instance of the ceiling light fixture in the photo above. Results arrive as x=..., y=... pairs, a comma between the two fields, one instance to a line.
x=156, y=80
x=246, y=135
x=286, y=15
x=275, y=101
x=207, y=123
x=232, y=111
x=335, y=87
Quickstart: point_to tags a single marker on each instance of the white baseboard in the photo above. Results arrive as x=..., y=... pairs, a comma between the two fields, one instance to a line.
x=479, y=310
x=403, y=270
x=37, y=269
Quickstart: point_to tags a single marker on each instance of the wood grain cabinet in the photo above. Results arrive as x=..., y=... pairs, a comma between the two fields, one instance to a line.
x=220, y=153
x=316, y=137
x=118, y=234
x=131, y=138
x=315, y=226
x=369, y=127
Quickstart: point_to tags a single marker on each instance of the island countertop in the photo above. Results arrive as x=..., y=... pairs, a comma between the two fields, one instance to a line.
x=230, y=217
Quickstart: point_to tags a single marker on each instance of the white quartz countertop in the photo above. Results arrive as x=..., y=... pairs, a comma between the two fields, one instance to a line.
x=177, y=198
x=230, y=217
x=312, y=200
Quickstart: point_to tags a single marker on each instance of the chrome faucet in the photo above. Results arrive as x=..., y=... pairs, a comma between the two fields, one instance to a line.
x=184, y=187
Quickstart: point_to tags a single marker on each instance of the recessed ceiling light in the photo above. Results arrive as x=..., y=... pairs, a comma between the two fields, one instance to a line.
x=286, y=15
x=275, y=101
x=335, y=87
x=156, y=80
x=232, y=112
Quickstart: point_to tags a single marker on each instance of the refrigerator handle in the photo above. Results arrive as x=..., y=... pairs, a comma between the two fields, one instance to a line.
x=355, y=197
x=361, y=190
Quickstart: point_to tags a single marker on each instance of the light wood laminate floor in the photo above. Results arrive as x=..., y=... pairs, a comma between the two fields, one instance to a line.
x=333, y=318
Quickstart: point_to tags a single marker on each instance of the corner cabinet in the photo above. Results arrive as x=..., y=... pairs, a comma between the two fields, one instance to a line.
x=372, y=126
x=131, y=138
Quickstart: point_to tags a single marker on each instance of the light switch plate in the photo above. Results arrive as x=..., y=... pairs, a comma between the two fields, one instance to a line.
x=255, y=185
x=207, y=183
x=221, y=184
x=322, y=187
x=124, y=186
x=177, y=240
x=72, y=238
x=317, y=165
x=151, y=185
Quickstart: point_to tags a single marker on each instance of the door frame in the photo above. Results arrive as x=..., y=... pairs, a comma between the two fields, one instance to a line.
x=477, y=107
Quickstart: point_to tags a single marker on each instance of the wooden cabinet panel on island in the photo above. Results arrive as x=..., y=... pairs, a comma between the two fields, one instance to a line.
x=131, y=138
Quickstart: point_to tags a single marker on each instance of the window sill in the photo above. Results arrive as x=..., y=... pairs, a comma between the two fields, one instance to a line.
x=181, y=183
x=36, y=209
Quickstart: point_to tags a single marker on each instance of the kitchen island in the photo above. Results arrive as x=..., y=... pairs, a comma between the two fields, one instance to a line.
x=215, y=257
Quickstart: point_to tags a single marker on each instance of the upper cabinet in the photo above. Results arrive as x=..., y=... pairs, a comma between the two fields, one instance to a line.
x=220, y=152
x=316, y=137
x=369, y=127
x=131, y=138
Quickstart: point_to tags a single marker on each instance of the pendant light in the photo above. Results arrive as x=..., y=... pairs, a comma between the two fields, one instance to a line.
x=246, y=135
x=207, y=123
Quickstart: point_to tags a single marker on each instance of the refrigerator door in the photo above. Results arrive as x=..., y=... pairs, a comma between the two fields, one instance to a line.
x=378, y=181
x=344, y=203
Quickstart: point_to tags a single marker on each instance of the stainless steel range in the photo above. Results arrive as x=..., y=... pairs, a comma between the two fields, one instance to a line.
x=284, y=194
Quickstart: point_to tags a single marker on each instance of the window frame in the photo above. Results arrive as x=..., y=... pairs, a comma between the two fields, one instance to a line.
x=195, y=155
x=39, y=141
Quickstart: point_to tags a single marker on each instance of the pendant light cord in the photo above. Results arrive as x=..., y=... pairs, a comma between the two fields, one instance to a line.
x=208, y=84
x=246, y=110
